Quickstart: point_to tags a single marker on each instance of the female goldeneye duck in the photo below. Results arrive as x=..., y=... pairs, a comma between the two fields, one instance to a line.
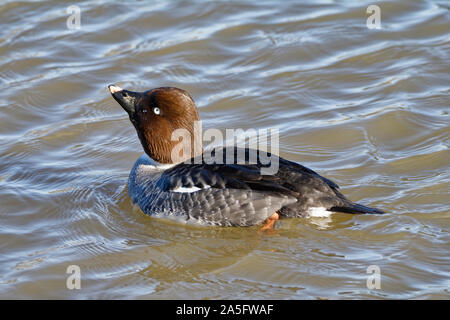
x=223, y=194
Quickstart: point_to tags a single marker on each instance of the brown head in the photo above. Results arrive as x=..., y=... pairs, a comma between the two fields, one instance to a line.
x=159, y=113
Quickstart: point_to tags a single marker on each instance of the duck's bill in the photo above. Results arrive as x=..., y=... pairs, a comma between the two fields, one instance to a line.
x=127, y=99
x=113, y=88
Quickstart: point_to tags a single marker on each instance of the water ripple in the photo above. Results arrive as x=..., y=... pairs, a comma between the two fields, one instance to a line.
x=366, y=108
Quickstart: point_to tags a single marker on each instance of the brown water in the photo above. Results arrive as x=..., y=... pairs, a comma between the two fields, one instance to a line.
x=366, y=108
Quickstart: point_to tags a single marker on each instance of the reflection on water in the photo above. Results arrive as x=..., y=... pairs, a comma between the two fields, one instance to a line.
x=366, y=108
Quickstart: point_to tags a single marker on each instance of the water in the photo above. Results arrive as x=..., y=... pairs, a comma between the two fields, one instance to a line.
x=366, y=108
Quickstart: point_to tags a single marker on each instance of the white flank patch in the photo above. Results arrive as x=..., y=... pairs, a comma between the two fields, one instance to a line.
x=319, y=212
x=189, y=190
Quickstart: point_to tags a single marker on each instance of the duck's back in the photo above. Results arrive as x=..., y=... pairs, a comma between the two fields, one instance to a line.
x=201, y=194
x=207, y=190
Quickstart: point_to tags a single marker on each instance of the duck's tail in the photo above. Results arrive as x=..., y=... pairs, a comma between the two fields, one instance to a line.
x=356, y=208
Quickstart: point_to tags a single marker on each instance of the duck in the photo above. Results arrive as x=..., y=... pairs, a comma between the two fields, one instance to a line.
x=219, y=187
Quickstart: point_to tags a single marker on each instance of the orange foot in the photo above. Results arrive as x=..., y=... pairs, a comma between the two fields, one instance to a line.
x=270, y=222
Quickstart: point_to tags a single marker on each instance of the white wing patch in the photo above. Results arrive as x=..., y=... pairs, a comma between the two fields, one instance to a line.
x=190, y=189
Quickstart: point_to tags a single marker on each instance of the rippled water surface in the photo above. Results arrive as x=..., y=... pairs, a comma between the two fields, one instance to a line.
x=366, y=108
